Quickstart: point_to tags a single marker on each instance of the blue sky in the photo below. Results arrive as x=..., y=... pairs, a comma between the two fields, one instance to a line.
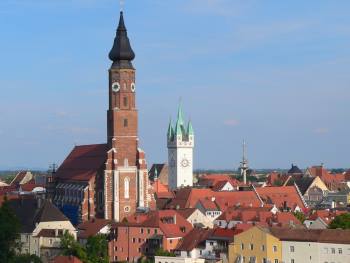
x=275, y=73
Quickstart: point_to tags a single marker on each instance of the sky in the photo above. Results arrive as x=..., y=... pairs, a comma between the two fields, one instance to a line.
x=275, y=73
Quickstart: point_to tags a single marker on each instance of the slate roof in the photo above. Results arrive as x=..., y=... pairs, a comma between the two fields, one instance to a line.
x=28, y=213
x=303, y=183
x=157, y=166
x=83, y=163
x=295, y=170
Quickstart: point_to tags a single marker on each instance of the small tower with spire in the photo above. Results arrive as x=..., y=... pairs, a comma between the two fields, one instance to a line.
x=244, y=163
x=180, y=142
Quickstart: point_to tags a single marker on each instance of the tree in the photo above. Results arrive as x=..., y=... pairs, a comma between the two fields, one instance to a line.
x=300, y=216
x=26, y=258
x=70, y=247
x=9, y=233
x=97, y=249
x=165, y=253
x=341, y=221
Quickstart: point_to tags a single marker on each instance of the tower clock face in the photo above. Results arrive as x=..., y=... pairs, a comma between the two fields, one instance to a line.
x=115, y=86
x=185, y=162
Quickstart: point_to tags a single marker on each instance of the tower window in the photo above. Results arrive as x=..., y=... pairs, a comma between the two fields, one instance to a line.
x=125, y=101
x=126, y=187
x=125, y=122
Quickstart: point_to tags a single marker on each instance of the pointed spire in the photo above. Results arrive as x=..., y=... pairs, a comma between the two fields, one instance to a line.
x=121, y=53
x=170, y=130
x=190, y=129
x=180, y=115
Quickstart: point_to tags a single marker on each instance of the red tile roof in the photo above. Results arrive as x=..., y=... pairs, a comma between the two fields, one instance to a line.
x=193, y=239
x=92, y=227
x=83, y=162
x=326, y=215
x=188, y=198
x=28, y=187
x=170, y=222
x=333, y=181
x=280, y=195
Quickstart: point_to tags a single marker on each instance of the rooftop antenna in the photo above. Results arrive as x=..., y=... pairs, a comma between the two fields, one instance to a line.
x=244, y=163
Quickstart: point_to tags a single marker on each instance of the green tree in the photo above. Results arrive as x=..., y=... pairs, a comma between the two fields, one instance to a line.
x=300, y=216
x=165, y=253
x=71, y=247
x=26, y=258
x=97, y=249
x=9, y=233
x=341, y=221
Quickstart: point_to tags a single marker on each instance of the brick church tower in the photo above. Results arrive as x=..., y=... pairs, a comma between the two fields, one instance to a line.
x=126, y=184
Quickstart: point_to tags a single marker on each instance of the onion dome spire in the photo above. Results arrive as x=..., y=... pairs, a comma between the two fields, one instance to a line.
x=121, y=53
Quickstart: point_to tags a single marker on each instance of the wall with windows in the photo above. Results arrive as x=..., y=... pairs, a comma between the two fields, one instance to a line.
x=255, y=244
x=313, y=252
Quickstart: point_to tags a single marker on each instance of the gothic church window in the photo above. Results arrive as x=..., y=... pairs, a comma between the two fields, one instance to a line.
x=125, y=122
x=126, y=187
x=125, y=101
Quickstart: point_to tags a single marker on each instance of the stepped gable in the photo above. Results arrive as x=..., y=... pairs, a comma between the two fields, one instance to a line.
x=83, y=163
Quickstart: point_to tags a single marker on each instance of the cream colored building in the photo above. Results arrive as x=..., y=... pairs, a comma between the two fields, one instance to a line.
x=256, y=244
x=42, y=226
x=159, y=259
x=196, y=217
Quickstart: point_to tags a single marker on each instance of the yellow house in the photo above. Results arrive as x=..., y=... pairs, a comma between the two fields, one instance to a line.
x=255, y=245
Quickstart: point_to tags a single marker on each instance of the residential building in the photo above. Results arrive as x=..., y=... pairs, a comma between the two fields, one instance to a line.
x=93, y=227
x=143, y=233
x=162, y=259
x=285, y=198
x=196, y=217
x=320, y=219
x=263, y=216
x=313, y=189
x=42, y=225
x=256, y=244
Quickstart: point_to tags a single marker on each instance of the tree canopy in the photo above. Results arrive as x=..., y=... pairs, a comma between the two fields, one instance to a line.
x=95, y=250
x=341, y=221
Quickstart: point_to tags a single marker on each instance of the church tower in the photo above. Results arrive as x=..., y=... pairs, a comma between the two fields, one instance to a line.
x=126, y=185
x=180, y=141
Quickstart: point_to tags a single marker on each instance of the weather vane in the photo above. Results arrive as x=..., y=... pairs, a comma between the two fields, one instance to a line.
x=121, y=3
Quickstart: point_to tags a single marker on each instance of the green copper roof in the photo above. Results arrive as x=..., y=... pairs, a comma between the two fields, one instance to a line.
x=178, y=128
x=190, y=129
x=180, y=115
x=170, y=130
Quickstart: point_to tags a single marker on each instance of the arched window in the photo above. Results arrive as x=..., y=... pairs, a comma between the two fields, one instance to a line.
x=126, y=187
x=125, y=101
